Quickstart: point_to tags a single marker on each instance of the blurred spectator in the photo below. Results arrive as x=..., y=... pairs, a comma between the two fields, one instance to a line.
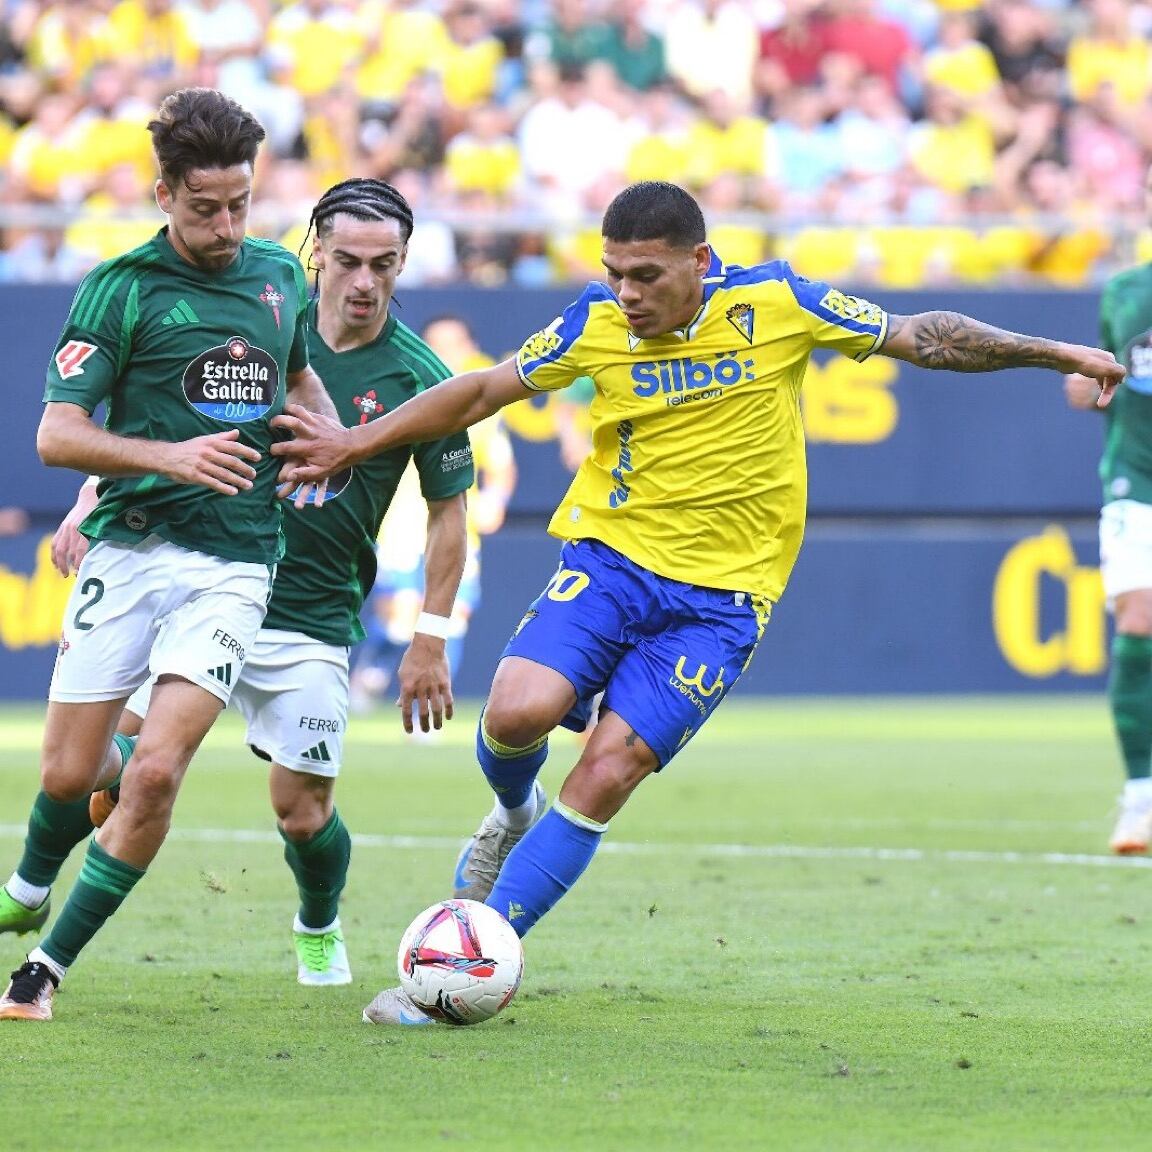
x=330, y=135
x=1102, y=148
x=571, y=36
x=18, y=20
x=402, y=40
x=313, y=44
x=485, y=252
x=119, y=216
x=484, y=157
x=39, y=256
x=960, y=62
x=809, y=161
x=66, y=40
x=710, y=44
x=282, y=206
x=408, y=134
x=725, y=137
x=431, y=255
x=1026, y=48
x=662, y=150
x=575, y=249
x=399, y=592
x=568, y=142
x=452, y=340
x=573, y=424
x=109, y=122
x=156, y=37
x=951, y=147
x=881, y=46
x=47, y=161
x=1110, y=51
x=791, y=50
x=724, y=199
x=470, y=66
x=634, y=51
x=1069, y=233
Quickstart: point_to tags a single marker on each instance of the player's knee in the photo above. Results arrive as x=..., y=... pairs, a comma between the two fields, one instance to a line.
x=301, y=821
x=155, y=780
x=66, y=780
x=515, y=725
x=1133, y=613
x=66, y=789
x=1134, y=622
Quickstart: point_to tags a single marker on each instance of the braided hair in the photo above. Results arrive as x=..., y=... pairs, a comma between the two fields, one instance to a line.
x=364, y=199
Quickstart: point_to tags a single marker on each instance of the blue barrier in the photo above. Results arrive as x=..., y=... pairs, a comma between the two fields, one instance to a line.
x=920, y=608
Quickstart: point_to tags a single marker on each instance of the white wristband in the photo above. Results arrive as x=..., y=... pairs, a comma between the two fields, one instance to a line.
x=429, y=625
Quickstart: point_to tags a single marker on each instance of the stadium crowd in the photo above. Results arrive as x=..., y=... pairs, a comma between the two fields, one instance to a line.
x=890, y=142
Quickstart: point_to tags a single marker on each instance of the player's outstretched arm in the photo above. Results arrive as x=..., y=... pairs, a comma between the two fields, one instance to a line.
x=958, y=343
x=320, y=447
x=424, y=674
x=67, y=438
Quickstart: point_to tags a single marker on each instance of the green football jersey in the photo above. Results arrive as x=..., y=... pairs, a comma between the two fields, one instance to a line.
x=176, y=352
x=1126, y=331
x=329, y=564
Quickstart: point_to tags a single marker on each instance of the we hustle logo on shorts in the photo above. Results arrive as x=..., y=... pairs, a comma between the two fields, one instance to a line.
x=236, y=382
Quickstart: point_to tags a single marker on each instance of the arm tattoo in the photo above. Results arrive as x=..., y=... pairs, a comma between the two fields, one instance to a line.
x=957, y=342
x=630, y=739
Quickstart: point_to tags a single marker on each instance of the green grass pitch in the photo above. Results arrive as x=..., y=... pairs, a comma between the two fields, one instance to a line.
x=857, y=924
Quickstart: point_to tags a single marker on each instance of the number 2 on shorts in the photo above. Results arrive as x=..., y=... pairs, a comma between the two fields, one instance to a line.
x=95, y=589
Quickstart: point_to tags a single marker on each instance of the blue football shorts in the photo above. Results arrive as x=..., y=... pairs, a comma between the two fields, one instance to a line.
x=664, y=653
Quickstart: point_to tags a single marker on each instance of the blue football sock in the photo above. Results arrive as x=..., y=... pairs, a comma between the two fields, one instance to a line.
x=510, y=772
x=544, y=865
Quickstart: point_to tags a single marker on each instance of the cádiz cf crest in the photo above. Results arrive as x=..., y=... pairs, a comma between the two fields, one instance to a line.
x=741, y=317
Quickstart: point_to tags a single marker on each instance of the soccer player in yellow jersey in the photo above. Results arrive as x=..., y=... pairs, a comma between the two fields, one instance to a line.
x=680, y=528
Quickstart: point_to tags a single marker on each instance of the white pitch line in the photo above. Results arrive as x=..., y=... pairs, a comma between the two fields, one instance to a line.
x=659, y=848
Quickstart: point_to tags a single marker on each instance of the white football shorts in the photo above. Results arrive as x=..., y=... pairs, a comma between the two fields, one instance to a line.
x=293, y=694
x=1125, y=547
x=154, y=609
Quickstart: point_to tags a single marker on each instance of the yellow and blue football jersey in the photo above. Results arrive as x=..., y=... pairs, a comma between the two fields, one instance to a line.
x=697, y=470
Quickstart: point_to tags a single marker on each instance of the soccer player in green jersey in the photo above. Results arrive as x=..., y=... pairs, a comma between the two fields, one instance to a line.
x=293, y=687
x=193, y=342
x=1126, y=535
x=680, y=528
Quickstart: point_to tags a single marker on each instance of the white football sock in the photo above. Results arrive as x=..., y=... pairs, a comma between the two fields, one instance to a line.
x=30, y=895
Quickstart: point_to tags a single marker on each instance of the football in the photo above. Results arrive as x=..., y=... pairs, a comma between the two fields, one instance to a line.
x=460, y=961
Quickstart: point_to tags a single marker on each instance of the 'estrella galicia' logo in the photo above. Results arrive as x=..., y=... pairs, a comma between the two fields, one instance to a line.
x=236, y=382
x=1140, y=364
x=336, y=485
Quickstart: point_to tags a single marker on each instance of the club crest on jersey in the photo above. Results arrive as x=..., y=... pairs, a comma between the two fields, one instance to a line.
x=235, y=382
x=70, y=359
x=742, y=317
x=368, y=404
x=273, y=299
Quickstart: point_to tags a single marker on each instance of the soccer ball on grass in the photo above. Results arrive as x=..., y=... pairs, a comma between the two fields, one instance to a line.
x=460, y=961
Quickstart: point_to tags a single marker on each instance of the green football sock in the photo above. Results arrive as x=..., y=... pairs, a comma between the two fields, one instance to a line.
x=100, y=889
x=1130, y=694
x=54, y=829
x=320, y=865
